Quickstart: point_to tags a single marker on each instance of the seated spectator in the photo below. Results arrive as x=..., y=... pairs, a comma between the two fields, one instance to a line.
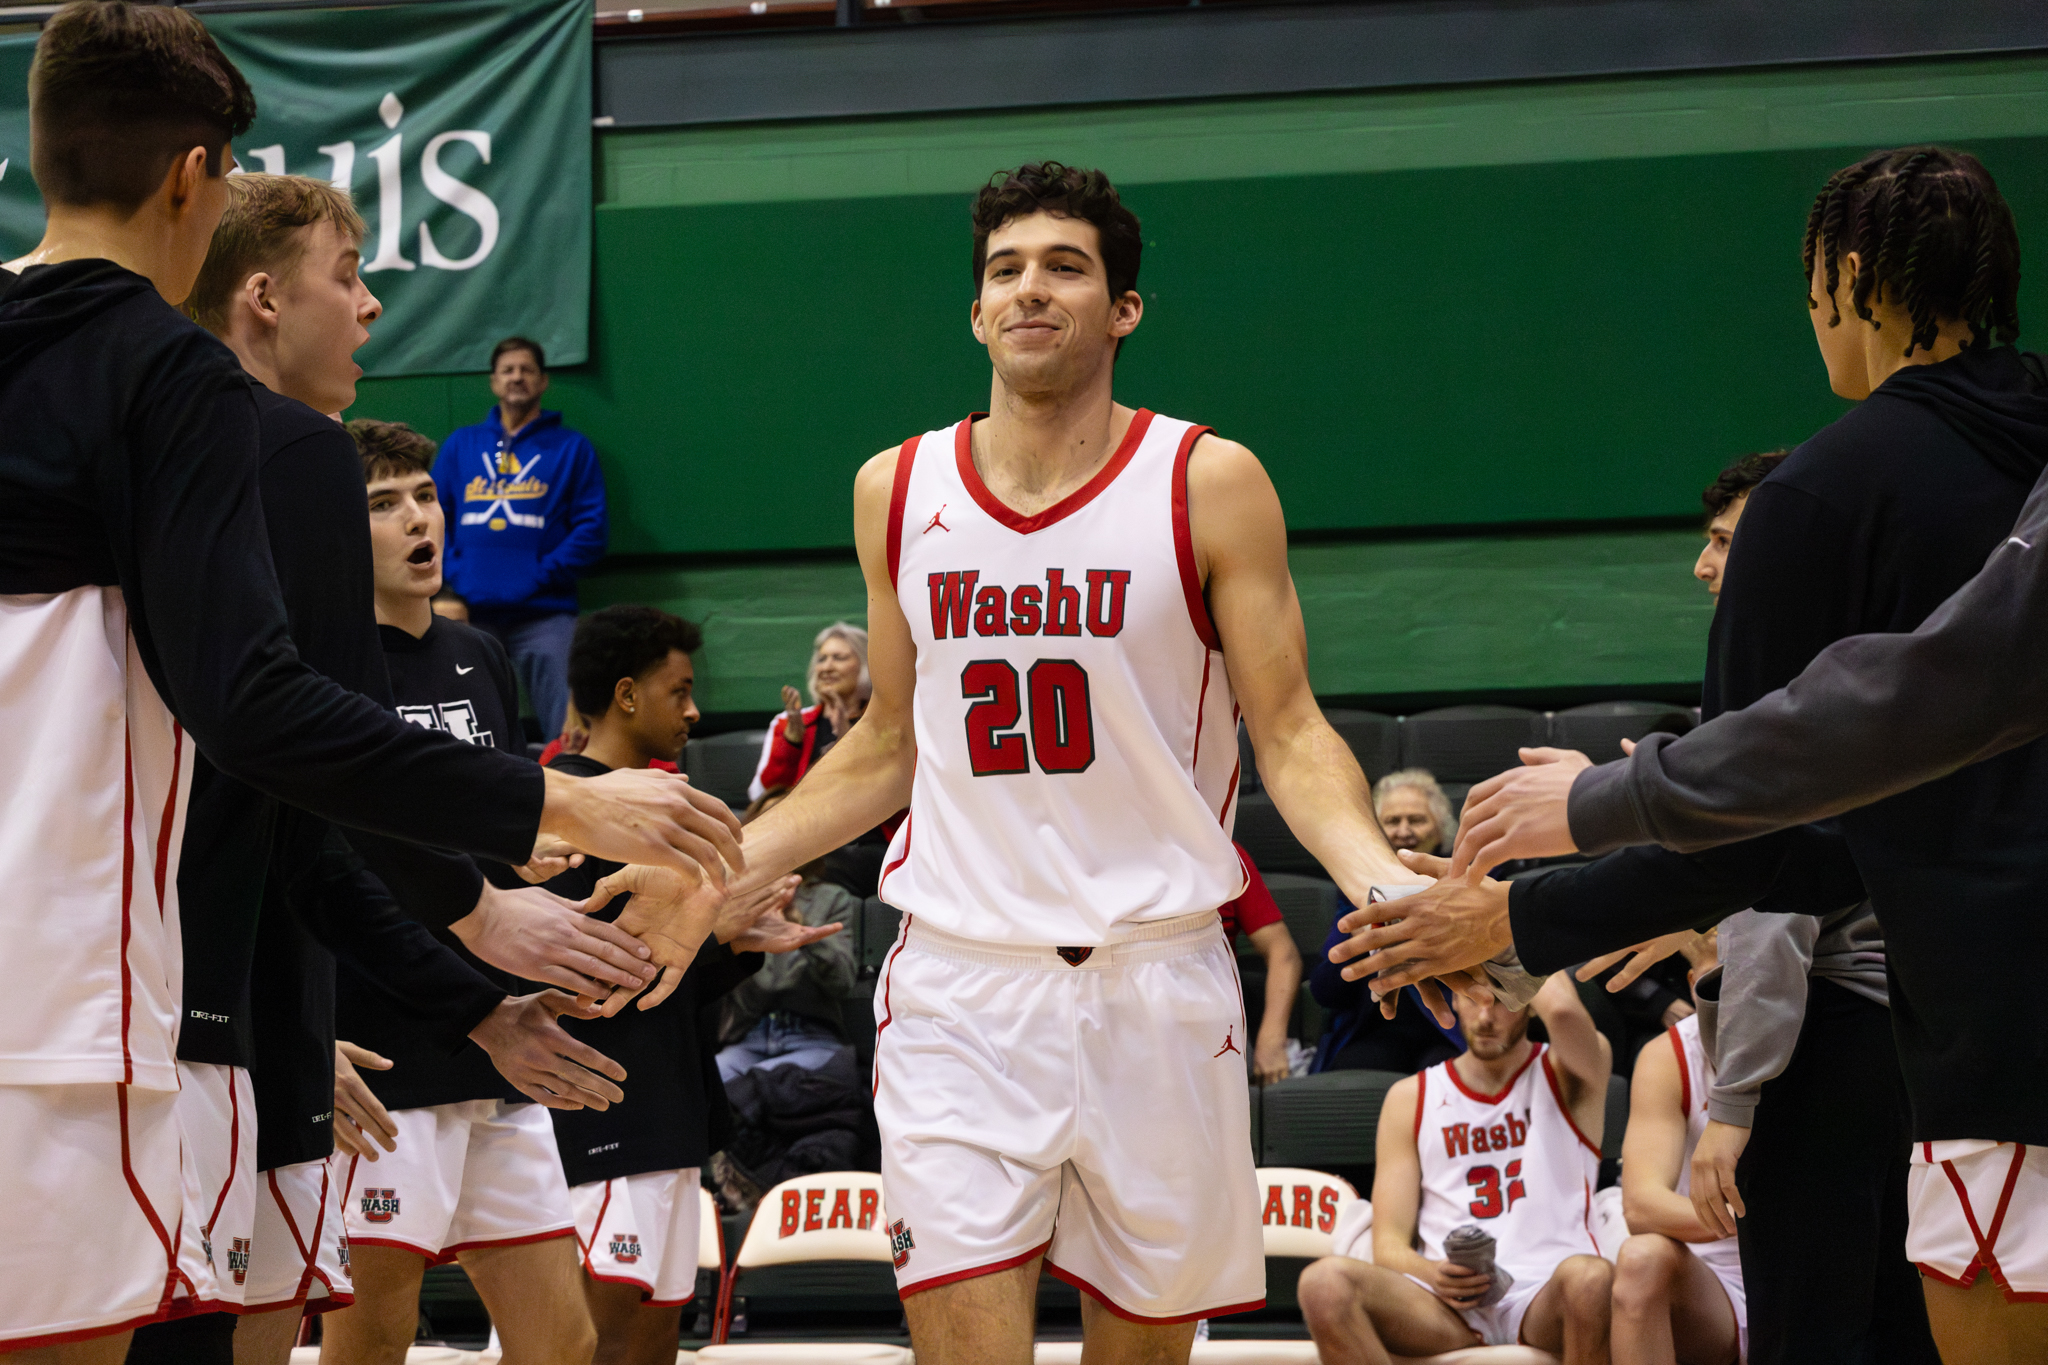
x=1414, y=812
x=1503, y=1139
x=1255, y=915
x=839, y=688
x=1358, y=1037
x=1678, y=1293
x=788, y=1013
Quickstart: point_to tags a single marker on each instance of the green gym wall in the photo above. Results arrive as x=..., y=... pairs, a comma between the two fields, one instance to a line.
x=1490, y=343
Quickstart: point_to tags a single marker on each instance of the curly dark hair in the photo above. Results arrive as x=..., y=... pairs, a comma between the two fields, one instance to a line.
x=1931, y=227
x=1049, y=187
x=1737, y=479
x=622, y=642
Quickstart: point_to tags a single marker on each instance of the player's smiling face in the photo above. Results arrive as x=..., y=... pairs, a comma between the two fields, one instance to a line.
x=324, y=312
x=405, y=535
x=1045, y=311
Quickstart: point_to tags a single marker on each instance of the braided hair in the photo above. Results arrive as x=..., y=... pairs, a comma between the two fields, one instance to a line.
x=1930, y=226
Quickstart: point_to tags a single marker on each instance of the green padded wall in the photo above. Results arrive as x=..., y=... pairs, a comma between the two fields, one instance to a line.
x=1447, y=309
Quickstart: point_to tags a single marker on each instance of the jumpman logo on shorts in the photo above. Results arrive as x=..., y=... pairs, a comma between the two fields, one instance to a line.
x=936, y=522
x=1229, y=1042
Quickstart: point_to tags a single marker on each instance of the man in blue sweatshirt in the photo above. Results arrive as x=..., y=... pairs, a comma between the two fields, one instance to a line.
x=526, y=519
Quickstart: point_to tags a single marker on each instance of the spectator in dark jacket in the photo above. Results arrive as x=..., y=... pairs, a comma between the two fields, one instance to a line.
x=526, y=520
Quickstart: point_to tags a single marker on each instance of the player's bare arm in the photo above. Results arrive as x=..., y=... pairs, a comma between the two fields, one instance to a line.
x=1397, y=1204
x=643, y=815
x=1653, y=1151
x=1579, y=1053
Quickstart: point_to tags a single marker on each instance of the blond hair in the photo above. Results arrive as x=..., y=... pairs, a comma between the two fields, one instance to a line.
x=1424, y=781
x=856, y=640
x=260, y=233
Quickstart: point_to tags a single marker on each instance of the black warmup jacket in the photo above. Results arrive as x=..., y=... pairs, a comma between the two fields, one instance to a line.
x=675, y=1113
x=1867, y=527
x=455, y=679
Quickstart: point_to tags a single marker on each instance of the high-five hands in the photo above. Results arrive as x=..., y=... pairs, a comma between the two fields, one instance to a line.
x=535, y=1053
x=538, y=936
x=756, y=922
x=361, y=1122
x=1438, y=939
x=1521, y=813
x=645, y=816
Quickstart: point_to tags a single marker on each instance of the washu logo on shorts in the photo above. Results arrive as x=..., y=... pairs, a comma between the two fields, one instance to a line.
x=238, y=1260
x=900, y=1243
x=1311, y=1208
x=804, y=1211
x=380, y=1206
x=625, y=1247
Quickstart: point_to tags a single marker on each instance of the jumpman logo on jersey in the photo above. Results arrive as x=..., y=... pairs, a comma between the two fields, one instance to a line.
x=1229, y=1042
x=936, y=522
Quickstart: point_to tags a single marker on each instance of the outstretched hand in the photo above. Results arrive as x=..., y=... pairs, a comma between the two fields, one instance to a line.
x=1642, y=957
x=551, y=858
x=538, y=936
x=361, y=1122
x=672, y=912
x=1521, y=813
x=644, y=816
x=770, y=930
x=1435, y=939
x=540, y=1058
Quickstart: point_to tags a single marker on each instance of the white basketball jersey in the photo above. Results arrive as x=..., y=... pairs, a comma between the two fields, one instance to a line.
x=1077, y=759
x=1695, y=1078
x=92, y=815
x=1513, y=1164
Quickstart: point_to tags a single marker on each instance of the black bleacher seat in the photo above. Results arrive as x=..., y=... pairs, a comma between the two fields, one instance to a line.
x=1248, y=780
x=1375, y=739
x=878, y=927
x=724, y=764
x=1616, y=1126
x=1326, y=1122
x=1266, y=837
x=1468, y=744
x=1598, y=729
x=1307, y=904
x=818, y=1301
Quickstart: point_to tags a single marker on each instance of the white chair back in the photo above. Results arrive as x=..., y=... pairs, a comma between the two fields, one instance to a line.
x=1299, y=1209
x=830, y=1216
x=710, y=1233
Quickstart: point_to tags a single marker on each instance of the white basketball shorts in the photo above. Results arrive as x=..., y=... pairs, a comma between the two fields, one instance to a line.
x=1498, y=1324
x=475, y=1174
x=217, y=1128
x=642, y=1230
x=1087, y=1105
x=89, y=1243
x=1980, y=1206
x=298, y=1252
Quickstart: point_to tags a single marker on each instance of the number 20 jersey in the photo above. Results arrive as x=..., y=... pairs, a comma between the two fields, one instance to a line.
x=1513, y=1164
x=1077, y=763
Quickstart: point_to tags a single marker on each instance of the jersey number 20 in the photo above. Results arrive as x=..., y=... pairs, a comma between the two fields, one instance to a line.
x=1062, y=725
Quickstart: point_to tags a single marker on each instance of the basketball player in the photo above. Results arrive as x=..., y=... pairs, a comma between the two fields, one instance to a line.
x=142, y=616
x=1069, y=601
x=1678, y=1297
x=1506, y=1138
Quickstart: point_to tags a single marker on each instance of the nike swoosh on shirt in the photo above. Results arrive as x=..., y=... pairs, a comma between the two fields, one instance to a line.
x=459, y=669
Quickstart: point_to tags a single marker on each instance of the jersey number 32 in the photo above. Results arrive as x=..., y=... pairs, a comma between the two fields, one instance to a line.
x=1062, y=726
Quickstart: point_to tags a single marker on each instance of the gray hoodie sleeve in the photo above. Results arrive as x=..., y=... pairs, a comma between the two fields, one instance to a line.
x=1872, y=715
x=1752, y=1009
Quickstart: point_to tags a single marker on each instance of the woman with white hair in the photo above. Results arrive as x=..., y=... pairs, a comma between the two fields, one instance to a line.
x=839, y=688
x=1414, y=812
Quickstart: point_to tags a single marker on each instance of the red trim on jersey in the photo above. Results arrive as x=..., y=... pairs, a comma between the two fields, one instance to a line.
x=307, y=1254
x=1128, y=1316
x=963, y=455
x=1230, y=792
x=1421, y=1091
x=1684, y=1073
x=448, y=1254
x=1565, y=1109
x=127, y=913
x=899, y=493
x=1184, y=543
x=1201, y=711
x=604, y=1207
x=1451, y=1069
x=173, y=1275
x=901, y=858
x=234, y=1152
x=163, y=829
x=888, y=1010
x=971, y=1273
x=1987, y=1243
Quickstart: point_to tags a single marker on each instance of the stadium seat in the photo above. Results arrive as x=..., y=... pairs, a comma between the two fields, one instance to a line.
x=1298, y=1210
x=817, y=1255
x=1375, y=739
x=878, y=927
x=1325, y=1122
x=1308, y=904
x=1597, y=730
x=1466, y=744
x=1266, y=837
x=1615, y=1127
x=724, y=764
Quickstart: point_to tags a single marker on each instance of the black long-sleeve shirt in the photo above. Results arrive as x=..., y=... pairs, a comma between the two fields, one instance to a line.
x=1870, y=717
x=1870, y=526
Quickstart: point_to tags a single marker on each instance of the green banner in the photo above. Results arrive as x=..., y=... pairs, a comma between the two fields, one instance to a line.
x=461, y=126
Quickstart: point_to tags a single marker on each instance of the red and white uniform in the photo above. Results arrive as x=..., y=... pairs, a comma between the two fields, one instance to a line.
x=642, y=1230
x=1514, y=1164
x=1980, y=1207
x=92, y=814
x=1060, y=1058
x=1695, y=1078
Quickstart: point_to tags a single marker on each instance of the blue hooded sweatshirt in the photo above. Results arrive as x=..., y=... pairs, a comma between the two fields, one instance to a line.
x=526, y=517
